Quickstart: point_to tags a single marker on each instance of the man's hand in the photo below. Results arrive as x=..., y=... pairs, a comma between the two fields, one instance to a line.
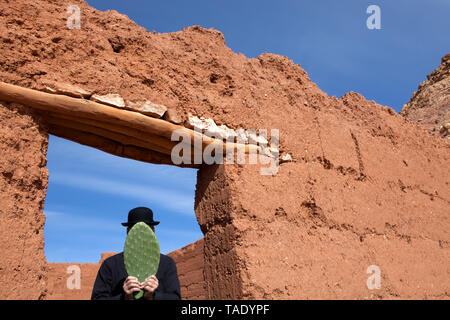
x=149, y=286
x=130, y=286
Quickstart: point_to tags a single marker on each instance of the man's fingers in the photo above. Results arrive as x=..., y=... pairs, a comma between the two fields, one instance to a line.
x=133, y=285
x=152, y=280
x=149, y=288
x=152, y=283
x=130, y=278
x=131, y=282
x=132, y=290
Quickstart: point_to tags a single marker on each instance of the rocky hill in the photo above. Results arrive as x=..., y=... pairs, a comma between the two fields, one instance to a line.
x=430, y=104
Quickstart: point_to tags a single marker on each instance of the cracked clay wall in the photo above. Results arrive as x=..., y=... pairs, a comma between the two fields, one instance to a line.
x=371, y=192
x=23, y=185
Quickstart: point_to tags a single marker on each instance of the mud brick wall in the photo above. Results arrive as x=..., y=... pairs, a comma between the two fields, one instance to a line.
x=213, y=209
x=58, y=276
x=190, y=266
x=312, y=230
x=23, y=185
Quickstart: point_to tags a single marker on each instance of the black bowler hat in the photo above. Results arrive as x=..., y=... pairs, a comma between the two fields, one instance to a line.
x=140, y=214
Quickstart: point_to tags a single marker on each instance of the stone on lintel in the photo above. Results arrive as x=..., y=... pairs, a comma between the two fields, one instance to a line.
x=68, y=90
x=147, y=107
x=111, y=99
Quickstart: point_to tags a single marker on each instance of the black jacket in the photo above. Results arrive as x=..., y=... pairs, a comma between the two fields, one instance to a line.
x=112, y=274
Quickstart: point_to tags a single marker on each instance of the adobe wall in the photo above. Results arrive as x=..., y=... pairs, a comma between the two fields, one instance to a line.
x=372, y=192
x=59, y=275
x=23, y=185
x=190, y=265
x=213, y=208
x=364, y=187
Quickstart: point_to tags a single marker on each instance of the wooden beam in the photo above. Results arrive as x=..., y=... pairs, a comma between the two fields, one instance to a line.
x=137, y=134
x=85, y=108
x=74, y=108
x=118, y=137
x=112, y=147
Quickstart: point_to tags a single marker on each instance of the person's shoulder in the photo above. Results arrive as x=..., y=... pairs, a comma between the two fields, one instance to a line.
x=166, y=259
x=115, y=258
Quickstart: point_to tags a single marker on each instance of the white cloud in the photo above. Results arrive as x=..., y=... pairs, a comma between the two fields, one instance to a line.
x=177, y=233
x=65, y=221
x=175, y=201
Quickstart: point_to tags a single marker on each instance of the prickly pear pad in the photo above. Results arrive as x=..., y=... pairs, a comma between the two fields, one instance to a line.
x=141, y=253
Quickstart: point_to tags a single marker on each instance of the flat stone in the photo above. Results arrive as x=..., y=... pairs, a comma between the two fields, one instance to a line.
x=286, y=158
x=445, y=129
x=241, y=137
x=147, y=107
x=209, y=128
x=229, y=133
x=111, y=99
x=172, y=115
x=253, y=138
x=198, y=123
x=68, y=90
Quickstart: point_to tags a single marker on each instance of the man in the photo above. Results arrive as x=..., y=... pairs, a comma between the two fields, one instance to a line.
x=113, y=282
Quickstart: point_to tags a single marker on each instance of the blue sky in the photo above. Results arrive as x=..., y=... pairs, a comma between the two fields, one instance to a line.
x=91, y=192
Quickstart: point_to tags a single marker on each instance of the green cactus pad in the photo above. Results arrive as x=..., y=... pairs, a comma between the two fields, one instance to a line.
x=141, y=253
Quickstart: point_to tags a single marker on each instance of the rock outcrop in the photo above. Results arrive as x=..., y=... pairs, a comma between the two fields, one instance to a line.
x=430, y=104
